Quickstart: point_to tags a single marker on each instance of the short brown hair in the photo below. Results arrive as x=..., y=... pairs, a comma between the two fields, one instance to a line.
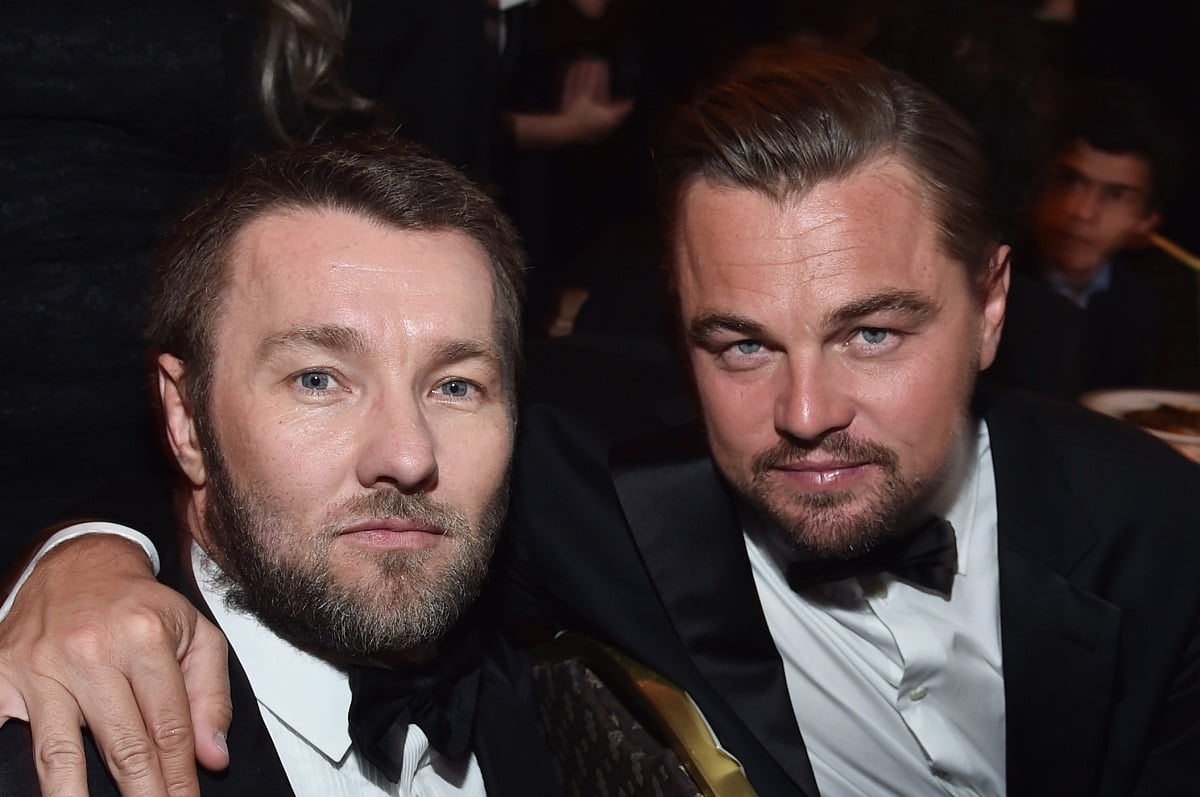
x=377, y=176
x=791, y=117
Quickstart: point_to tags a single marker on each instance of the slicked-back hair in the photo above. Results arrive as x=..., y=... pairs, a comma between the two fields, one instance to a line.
x=789, y=118
x=376, y=176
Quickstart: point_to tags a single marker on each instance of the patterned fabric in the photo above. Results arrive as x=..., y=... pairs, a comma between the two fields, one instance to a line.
x=600, y=748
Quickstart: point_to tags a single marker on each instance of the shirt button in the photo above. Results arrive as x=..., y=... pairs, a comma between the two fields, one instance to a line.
x=918, y=694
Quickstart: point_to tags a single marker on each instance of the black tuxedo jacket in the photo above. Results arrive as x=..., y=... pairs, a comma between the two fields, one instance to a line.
x=1099, y=567
x=507, y=742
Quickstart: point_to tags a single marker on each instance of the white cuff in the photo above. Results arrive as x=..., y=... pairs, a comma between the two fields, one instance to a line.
x=70, y=533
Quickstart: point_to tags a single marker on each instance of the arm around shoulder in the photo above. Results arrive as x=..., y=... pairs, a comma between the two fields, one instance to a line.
x=93, y=638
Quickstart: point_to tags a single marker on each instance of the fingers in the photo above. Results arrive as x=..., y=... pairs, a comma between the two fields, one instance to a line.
x=93, y=638
x=120, y=735
x=206, y=675
x=600, y=82
x=576, y=83
x=58, y=744
x=585, y=81
x=125, y=728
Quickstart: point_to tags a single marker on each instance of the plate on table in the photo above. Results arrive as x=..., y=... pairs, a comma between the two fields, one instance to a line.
x=1173, y=415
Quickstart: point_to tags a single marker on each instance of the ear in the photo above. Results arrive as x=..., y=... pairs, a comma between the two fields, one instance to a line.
x=995, y=302
x=180, y=419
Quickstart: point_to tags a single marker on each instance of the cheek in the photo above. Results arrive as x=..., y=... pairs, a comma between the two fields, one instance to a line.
x=738, y=414
x=916, y=408
x=472, y=460
x=297, y=461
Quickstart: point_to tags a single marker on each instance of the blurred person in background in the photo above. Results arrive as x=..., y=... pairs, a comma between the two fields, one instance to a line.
x=1112, y=173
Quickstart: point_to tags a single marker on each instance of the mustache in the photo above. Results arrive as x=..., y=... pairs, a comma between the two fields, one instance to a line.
x=416, y=506
x=839, y=445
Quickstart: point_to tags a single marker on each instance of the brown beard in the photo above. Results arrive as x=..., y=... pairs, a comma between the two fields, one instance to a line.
x=826, y=531
x=406, y=599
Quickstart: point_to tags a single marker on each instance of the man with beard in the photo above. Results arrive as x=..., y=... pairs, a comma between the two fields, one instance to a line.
x=873, y=576
x=337, y=333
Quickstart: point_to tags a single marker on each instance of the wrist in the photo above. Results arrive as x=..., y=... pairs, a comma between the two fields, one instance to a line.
x=99, y=543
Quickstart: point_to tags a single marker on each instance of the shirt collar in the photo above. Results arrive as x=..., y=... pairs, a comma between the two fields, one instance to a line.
x=306, y=693
x=962, y=504
x=1081, y=296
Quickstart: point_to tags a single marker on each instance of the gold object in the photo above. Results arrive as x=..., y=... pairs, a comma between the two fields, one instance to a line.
x=1175, y=250
x=660, y=702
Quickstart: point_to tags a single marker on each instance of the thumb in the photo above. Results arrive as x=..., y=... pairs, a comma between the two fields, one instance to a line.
x=205, y=665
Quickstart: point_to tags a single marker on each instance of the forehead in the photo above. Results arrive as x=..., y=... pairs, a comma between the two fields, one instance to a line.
x=1118, y=169
x=869, y=231
x=323, y=267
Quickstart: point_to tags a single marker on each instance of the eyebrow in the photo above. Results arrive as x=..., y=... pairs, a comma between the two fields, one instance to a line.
x=917, y=307
x=705, y=326
x=1129, y=188
x=455, y=351
x=349, y=341
x=335, y=338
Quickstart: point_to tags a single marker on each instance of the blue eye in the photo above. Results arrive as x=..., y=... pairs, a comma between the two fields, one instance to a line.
x=748, y=347
x=315, y=380
x=455, y=388
x=874, y=336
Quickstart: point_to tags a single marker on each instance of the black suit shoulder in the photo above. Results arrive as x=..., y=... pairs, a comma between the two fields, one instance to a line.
x=1124, y=476
x=18, y=771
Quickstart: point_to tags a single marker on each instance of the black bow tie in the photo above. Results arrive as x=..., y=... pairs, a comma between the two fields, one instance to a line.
x=926, y=558
x=438, y=698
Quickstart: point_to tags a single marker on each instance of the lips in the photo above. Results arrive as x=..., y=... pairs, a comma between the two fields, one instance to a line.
x=394, y=525
x=823, y=475
x=392, y=534
x=820, y=465
x=1066, y=238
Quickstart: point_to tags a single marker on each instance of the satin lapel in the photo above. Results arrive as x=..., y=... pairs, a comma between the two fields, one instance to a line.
x=1059, y=641
x=254, y=768
x=686, y=527
x=508, y=743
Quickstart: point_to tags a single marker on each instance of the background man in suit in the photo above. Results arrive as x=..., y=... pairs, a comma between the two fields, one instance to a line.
x=1112, y=173
x=337, y=332
x=870, y=581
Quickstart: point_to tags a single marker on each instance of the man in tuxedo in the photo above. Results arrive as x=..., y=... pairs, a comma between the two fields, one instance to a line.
x=336, y=332
x=840, y=289
x=872, y=575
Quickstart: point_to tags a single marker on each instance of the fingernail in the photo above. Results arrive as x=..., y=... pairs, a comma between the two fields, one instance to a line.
x=221, y=742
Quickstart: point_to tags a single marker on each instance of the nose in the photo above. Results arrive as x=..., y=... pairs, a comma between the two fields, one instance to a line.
x=397, y=445
x=1082, y=202
x=814, y=399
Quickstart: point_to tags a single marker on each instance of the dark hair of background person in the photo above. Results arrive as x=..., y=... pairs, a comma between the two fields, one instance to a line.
x=1120, y=117
x=395, y=183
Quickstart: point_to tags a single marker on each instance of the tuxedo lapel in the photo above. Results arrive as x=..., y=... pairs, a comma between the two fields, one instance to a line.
x=685, y=525
x=508, y=742
x=254, y=768
x=1059, y=641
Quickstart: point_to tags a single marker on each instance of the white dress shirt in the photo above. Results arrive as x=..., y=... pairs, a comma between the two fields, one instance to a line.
x=304, y=702
x=896, y=690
